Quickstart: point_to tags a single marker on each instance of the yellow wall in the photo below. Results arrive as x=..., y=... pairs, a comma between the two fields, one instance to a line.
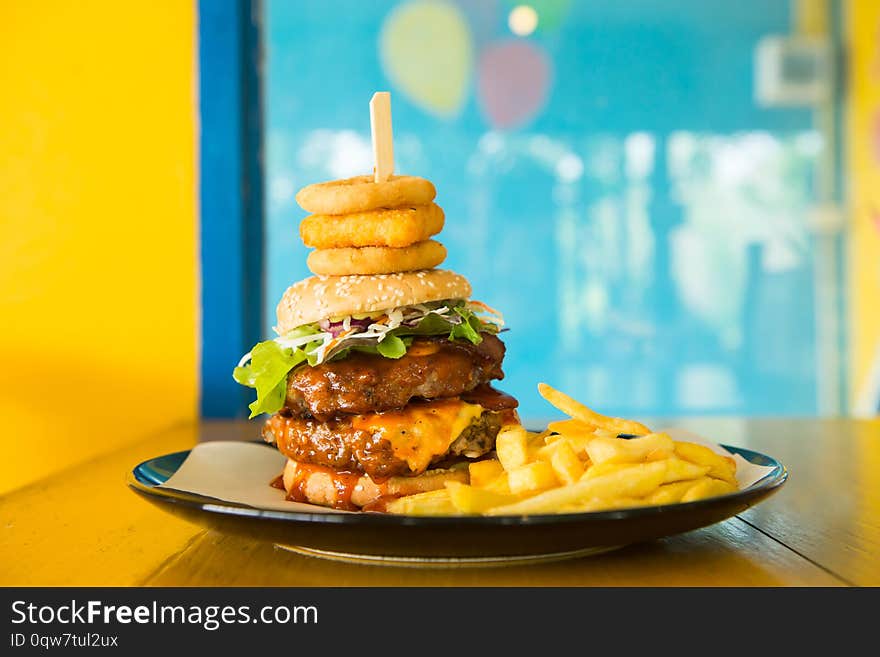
x=98, y=279
x=864, y=191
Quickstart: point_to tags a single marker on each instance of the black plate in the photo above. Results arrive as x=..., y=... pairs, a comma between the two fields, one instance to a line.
x=467, y=540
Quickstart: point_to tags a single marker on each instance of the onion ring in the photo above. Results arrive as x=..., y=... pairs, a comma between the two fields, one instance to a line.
x=361, y=193
x=388, y=227
x=376, y=259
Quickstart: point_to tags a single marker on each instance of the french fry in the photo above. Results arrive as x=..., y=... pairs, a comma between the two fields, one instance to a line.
x=578, y=411
x=512, y=447
x=571, y=427
x=720, y=467
x=481, y=473
x=604, y=504
x=470, y=499
x=565, y=463
x=607, y=450
x=579, y=465
x=546, y=451
x=636, y=480
x=708, y=487
x=679, y=470
x=564, y=460
x=672, y=492
x=579, y=444
x=532, y=477
x=602, y=469
x=576, y=432
x=500, y=484
x=432, y=503
x=652, y=447
x=536, y=440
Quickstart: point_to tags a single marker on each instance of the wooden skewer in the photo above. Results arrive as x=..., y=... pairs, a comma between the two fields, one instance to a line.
x=383, y=139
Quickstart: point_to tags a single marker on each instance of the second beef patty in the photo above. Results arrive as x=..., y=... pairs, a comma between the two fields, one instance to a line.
x=344, y=445
x=433, y=368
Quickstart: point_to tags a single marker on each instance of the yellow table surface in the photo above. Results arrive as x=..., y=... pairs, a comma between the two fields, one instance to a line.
x=85, y=527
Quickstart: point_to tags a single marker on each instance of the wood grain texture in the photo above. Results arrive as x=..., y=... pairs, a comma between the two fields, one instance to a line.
x=84, y=527
x=829, y=510
x=729, y=554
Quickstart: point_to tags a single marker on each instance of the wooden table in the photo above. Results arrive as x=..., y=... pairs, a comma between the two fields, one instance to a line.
x=84, y=527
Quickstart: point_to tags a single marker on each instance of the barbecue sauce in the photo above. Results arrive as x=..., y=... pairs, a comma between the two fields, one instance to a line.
x=380, y=504
x=343, y=482
x=490, y=398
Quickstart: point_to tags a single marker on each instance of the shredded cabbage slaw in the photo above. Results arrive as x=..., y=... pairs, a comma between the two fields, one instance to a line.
x=388, y=333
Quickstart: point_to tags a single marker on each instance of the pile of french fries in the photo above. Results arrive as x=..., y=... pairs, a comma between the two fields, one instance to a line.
x=579, y=464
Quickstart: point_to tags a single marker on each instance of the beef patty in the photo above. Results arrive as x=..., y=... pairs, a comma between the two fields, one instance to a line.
x=363, y=383
x=345, y=444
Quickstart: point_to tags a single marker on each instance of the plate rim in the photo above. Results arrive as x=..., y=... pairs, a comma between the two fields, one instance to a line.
x=768, y=484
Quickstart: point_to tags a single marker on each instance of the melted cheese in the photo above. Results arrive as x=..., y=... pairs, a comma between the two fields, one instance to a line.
x=420, y=432
x=422, y=348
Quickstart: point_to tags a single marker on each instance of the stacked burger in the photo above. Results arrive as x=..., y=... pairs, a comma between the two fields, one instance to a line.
x=378, y=384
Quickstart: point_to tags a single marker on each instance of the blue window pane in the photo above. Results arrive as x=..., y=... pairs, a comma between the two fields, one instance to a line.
x=609, y=183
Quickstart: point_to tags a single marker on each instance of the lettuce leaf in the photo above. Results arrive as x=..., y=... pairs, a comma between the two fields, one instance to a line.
x=267, y=373
x=270, y=362
x=470, y=326
x=433, y=324
x=392, y=347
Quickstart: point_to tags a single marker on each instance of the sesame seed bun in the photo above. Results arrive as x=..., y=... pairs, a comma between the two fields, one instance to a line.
x=323, y=297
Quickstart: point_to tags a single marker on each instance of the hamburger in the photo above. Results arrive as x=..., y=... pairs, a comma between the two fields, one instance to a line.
x=379, y=386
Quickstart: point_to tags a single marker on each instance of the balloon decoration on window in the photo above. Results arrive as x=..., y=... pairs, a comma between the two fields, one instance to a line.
x=426, y=51
x=514, y=80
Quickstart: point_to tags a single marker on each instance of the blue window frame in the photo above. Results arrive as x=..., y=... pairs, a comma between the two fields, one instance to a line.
x=231, y=196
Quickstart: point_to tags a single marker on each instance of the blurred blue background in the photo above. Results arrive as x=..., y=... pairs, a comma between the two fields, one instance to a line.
x=609, y=182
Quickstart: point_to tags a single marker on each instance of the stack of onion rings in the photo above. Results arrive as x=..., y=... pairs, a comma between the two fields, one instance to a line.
x=376, y=259
x=359, y=226
x=361, y=193
x=383, y=227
